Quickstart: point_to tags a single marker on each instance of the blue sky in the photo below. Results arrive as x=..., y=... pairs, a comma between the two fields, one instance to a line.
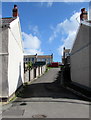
x=47, y=27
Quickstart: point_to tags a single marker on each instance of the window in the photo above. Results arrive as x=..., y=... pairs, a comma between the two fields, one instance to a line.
x=32, y=59
x=38, y=59
x=67, y=54
x=43, y=59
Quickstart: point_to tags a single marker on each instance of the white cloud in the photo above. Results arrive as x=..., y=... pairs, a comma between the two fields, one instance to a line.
x=56, y=30
x=34, y=29
x=89, y=13
x=71, y=25
x=0, y=16
x=33, y=51
x=31, y=41
x=75, y=0
x=31, y=44
x=68, y=42
x=69, y=28
x=49, y=3
x=53, y=36
x=66, y=26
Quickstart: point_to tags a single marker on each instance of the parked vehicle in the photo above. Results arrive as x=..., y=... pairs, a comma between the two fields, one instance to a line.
x=54, y=64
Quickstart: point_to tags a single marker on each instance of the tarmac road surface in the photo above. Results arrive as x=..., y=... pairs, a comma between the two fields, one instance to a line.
x=46, y=98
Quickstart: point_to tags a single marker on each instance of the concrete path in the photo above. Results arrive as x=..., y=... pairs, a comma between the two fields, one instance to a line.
x=45, y=98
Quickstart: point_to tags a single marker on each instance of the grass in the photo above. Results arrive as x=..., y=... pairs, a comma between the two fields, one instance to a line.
x=48, y=68
x=12, y=98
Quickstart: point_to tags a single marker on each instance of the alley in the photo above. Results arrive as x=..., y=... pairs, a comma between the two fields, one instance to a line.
x=45, y=97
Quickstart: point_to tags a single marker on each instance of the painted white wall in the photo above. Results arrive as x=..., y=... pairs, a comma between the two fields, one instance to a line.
x=37, y=72
x=15, y=61
x=40, y=71
x=80, y=57
x=32, y=74
x=43, y=69
x=26, y=76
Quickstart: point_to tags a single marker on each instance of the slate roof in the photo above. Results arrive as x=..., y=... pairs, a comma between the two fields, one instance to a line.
x=6, y=21
x=88, y=23
x=38, y=56
x=67, y=50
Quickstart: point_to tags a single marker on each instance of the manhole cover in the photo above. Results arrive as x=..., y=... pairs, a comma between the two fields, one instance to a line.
x=39, y=116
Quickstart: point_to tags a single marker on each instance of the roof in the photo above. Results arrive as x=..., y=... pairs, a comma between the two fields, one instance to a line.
x=67, y=50
x=88, y=23
x=44, y=56
x=7, y=20
x=38, y=56
x=28, y=56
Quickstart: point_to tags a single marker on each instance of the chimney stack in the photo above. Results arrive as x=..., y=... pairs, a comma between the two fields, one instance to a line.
x=15, y=11
x=83, y=15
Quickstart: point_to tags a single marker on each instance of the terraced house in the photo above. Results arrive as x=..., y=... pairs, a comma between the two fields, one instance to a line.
x=36, y=58
x=11, y=57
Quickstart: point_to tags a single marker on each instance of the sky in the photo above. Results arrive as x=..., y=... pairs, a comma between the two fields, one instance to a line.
x=47, y=27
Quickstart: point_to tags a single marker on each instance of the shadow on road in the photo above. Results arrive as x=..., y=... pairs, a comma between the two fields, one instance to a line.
x=47, y=90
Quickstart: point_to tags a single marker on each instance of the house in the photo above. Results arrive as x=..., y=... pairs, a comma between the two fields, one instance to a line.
x=66, y=56
x=80, y=57
x=38, y=58
x=11, y=57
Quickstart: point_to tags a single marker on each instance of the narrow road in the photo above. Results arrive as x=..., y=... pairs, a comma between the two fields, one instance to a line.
x=46, y=98
x=47, y=86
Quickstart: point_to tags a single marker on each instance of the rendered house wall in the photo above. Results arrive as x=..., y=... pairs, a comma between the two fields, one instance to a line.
x=80, y=56
x=4, y=62
x=15, y=60
x=90, y=60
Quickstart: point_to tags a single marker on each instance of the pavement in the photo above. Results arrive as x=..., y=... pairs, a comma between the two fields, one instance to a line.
x=46, y=98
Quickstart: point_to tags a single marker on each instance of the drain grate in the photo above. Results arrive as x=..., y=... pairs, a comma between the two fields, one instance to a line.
x=39, y=116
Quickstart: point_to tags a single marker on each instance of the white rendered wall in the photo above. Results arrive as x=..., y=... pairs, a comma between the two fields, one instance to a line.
x=43, y=69
x=37, y=72
x=31, y=74
x=40, y=70
x=26, y=76
x=15, y=61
